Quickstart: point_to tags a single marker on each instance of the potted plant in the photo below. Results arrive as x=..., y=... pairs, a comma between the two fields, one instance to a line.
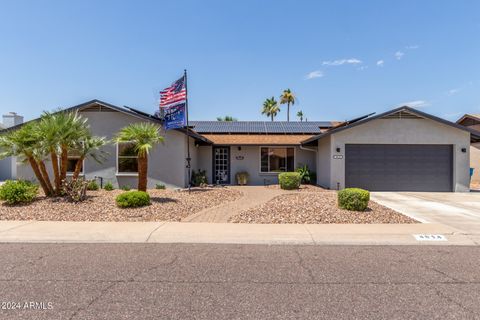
x=242, y=178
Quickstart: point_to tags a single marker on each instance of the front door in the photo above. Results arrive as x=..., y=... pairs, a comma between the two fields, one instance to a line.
x=221, y=165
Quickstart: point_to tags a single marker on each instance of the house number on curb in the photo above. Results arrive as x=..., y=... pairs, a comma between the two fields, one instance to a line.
x=430, y=237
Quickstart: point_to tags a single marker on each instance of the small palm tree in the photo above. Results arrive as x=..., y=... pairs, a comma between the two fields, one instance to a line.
x=24, y=144
x=88, y=147
x=300, y=115
x=270, y=108
x=143, y=136
x=289, y=98
x=227, y=118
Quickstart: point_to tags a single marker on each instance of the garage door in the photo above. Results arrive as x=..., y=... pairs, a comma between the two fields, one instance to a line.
x=379, y=167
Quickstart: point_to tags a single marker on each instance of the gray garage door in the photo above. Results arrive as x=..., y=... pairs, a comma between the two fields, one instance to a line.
x=399, y=167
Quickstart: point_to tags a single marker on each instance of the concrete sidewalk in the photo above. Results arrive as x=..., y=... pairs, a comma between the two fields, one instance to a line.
x=176, y=232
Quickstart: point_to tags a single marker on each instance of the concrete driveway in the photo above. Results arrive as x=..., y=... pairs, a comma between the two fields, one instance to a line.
x=457, y=210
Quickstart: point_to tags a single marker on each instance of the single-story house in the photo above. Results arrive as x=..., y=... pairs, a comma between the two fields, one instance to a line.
x=400, y=150
x=472, y=121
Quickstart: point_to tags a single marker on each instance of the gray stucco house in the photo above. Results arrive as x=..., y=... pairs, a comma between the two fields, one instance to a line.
x=400, y=150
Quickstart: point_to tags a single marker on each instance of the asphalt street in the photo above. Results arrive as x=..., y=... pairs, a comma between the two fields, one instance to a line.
x=158, y=281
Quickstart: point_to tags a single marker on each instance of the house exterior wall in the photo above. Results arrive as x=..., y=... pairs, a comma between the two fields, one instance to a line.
x=248, y=159
x=403, y=131
x=324, y=159
x=204, y=155
x=6, y=169
x=166, y=163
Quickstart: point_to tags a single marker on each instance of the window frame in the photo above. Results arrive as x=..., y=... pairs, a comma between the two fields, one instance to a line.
x=274, y=172
x=118, y=173
x=82, y=173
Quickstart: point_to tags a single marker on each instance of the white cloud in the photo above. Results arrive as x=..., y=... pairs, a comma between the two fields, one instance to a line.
x=314, y=74
x=399, y=55
x=453, y=91
x=380, y=63
x=341, y=62
x=412, y=47
x=415, y=104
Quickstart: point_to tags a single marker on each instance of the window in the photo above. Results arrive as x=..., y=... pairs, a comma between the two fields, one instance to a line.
x=127, y=158
x=73, y=158
x=277, y=159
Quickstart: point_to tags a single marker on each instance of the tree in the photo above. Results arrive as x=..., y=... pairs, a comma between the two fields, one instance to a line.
x=143, y=136
x=289, y=98
x=88, y=147
x=60, y=132
x=270, y=108
x=227, y=118
x=300, y=115
x=24, y=144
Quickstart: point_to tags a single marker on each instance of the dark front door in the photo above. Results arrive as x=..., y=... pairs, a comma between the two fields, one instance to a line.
x=391, y=167
x=221, y=165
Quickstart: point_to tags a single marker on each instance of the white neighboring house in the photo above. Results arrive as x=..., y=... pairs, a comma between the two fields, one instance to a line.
x=8, y=167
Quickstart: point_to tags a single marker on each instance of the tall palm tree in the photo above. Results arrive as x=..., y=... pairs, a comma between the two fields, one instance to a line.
x=289, y=98
x=88, y=147
x=270, y=108
x=227, y=118
x=24, y=144
x=300, y=115
x=143, y=136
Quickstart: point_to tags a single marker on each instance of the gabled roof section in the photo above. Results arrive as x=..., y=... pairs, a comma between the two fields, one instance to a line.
x=260, y=127
x=397, y=113
x=469, y=120
x=97, y=105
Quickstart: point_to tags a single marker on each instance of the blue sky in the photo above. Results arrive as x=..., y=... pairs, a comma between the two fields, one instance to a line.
x=341, y=58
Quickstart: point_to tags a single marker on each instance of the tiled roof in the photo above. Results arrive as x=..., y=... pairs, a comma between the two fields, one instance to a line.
x=268, y=127
x=257, y=139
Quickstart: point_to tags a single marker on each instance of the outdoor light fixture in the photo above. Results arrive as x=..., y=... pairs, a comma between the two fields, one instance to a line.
x=239, y=148
x=338, y=149
x=464, y=150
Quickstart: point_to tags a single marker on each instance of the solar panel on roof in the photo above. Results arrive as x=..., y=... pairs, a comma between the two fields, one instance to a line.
x=278, y=127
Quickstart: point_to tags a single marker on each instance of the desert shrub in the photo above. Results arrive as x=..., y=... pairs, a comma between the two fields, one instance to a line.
x=92, y=185
x=133, y=199
x=304, y=172
x=242, y=177
x=75, y=190
x=126, y=187
x=108, y=186
x=354, y=199
x=199, y=177
x=16, y=192
x=289, y=180
x=160, y=186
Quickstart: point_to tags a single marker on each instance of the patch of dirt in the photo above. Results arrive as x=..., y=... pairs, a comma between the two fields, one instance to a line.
x=316, y=207
x=166, y=205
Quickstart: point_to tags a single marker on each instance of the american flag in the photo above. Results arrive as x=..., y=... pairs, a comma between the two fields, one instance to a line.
x=173, y=94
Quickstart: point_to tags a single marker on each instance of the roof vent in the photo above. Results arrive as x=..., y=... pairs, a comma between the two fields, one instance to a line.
x=402, y=114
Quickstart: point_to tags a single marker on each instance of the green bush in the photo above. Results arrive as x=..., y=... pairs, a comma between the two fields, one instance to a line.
x=354, y=199
x=108, y=186
x=16, y=192
x=160, y=186
x=199, y=177
x=133, y=199
x=289, y=180
x=92, y=185
x=126, y=187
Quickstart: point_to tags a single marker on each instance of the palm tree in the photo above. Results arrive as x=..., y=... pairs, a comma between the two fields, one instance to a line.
x=270, y=108
x=227, y=118
x=289, y=98
x=300, y=115
x=24, y=143
x=88, y=147
x=143, y=136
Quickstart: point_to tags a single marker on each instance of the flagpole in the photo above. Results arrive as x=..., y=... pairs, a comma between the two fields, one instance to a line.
x=189, y=167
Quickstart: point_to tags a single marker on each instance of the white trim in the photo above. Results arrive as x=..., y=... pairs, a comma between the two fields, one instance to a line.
x=273, y=172
x=117, y=173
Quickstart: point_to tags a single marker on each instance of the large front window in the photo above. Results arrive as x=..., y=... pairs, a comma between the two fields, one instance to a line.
x=277, y=159
x=127, y=158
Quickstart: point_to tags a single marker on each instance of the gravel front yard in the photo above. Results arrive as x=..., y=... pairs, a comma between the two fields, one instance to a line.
x=313, y=206
x=167, y=205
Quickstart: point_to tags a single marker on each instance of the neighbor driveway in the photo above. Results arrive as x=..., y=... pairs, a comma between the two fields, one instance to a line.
x=458, y=210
